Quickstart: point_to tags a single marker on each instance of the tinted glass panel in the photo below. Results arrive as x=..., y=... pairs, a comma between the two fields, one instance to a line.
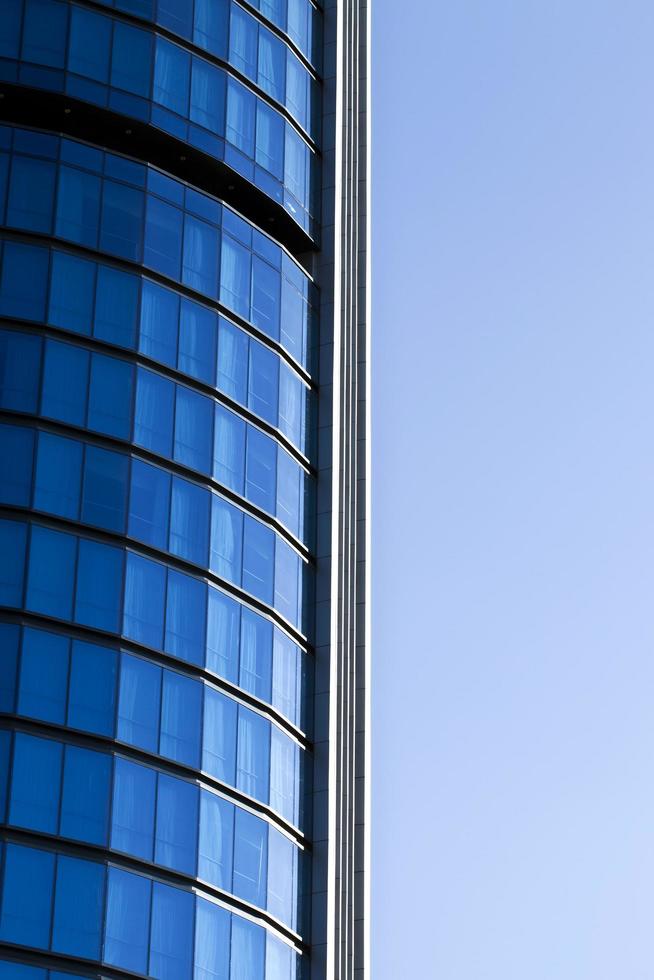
x=79, y=900
x=92, y=694
x=51, y=572
x=172, y=933
x=44, y=676
x=27, y=896
x=140, y=700
x=35, y=783
x=128, y=920
x=85, y=795
x=58, y=475
x=132, y=817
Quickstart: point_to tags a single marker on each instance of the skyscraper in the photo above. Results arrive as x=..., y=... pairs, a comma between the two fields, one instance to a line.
x=184, y=485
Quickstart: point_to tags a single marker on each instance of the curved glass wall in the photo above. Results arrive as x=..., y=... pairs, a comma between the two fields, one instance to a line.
x=99, y=911
x=139, y=74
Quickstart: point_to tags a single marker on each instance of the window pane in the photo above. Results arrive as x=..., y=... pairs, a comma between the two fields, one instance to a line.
x=85, y=796
x=272, y=65
x=27, y=896
x=258, y=553
x=99, y=586
x=177, y=824
x=281, y=866
x=31, y=194
x=210, y=29
x=110, y=396
x=226, y=539
x=200, y=265
x=16, y=452
x=185, y=617
x=65, y=383
x=9, y=641
x=163, y=237
x=131, y=59
x=263, y=382
x=250, y=857
x=145, y=596
x=235, y=277
x=208, y=83
x=105, y=488
x=285, y=675
x=229, y=449
x=193, y=429
x=243, y=42
x=140, y=700
x=189, y=521
x=159, y=318
x=171, y=944
x=289, y=480
x=51, y=571
x=128, y=921
x=149, y=504
x=219, y=742
x=288, y=567
x=20, y=359
x=24, y=283
x=12, y=562
x=115, y=307
x=92, y=688
x=233, y=361
x=283, y=765
x=223, y=626
x=132, y=817
x=265, y=297
x=278, y=959
x=44, y=676
x=175, y=14
x=122, y=215
x=256, y=654
x=10, y=36
x=153, y=421
x=79, y=900
x=172, y=68
x=72, y=287
x=211, y=941
x=44, y=33
x=35, y=783
x=78, y=206
x=240, y=117
x=253, y=754
x=58, y=475
x=197, y=341
x=216, y=840
x=297, y=90
x=180, y=718
x=248, y=950
x=260, y=470
x=89, y=45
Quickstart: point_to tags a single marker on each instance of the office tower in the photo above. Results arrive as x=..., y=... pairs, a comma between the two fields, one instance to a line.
x=183, y=489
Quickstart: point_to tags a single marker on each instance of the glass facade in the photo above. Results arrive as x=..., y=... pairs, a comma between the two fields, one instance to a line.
x=159, y=426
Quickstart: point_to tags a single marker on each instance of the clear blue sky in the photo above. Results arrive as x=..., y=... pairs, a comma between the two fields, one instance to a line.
x=513, y=495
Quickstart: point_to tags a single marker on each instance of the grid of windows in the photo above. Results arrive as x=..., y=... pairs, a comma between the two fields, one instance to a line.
x=93, y=797
x=80, y=194
x=97, y=911
x=117, y=695
x=143, y=76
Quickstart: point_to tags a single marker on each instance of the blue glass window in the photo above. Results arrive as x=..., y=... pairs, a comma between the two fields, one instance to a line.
x=149, y=504
x=35, y=783
x=92, y=694
x=44, y=676
x=89, y=44
x=265, y=297
x=10, y=32
x=287, y=578
x=79, y=901
x=177, y=821
x=233, y=360
x=153, y=420
x=172, y=68
x=27, y=896
x=223, y=619
x=263, y=382
x=297, y=90
x=132, y=815
x=140, y=701
x=180, y=718
x=283, y=759
x=163, y=236
x=197, y=341
x=58, y=475
x=243, y=33
x=252, y=761
x=298, y=23
x=159, y=319
x=279, y=959
x=31, y=194
x=258, y=559
x=285, y=675
x=78, y=206
x=250, y=857
x=216, y=840
x=99, y=586
x=85, y=795
x=274, y=10
x=219, y=743
x=208, y=88
x=122, y=214
x=65, y=382
x=128, y=920
x=176, y=15
x=226, y=540
x=185, y=617
x=51, y=572
x=115, y=306
x=193, y=429
x=296, y=155
x=44, y=33
x=210, y=28
x=260, y=471
x=239, y=130
x=272, y=65
x=131, y=59
x=5, y=752
x=211, y=941
x=248, y=950
x=256, y=654
x=229, y=449
x=171, y=941
x=72, y=287
x=105, y=488
x=281, y=866
x=20, y=358
x=23, y=289
x=235, y=276
x=288, y=491
x=9, y=640
x=12, y=562
x=110, y=399
x=145, y=597
x=16, y=453
x=189, y=521
x=200, y=262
